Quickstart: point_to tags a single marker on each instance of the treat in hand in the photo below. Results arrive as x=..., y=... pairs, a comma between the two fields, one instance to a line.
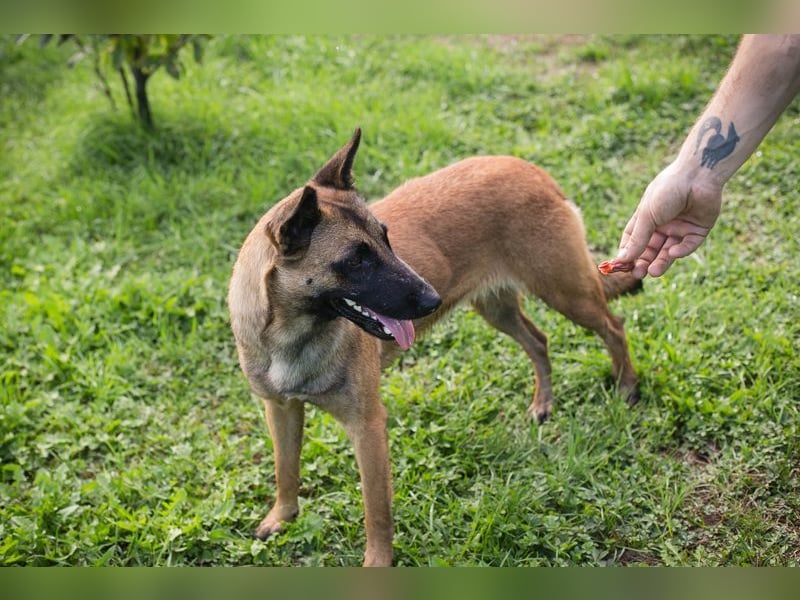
x=614, y=266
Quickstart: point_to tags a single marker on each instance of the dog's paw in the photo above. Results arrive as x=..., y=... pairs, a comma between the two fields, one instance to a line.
x=632, y=396
x=378, y=559
x=274, y=522
x=539, y=412
x=268, y=528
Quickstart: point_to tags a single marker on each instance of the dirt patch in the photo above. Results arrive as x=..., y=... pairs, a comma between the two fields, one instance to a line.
x=548, y=42
x=630, y=556
x=540, y=51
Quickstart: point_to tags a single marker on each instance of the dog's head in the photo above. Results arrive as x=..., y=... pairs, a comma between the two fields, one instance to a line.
x=334, y=257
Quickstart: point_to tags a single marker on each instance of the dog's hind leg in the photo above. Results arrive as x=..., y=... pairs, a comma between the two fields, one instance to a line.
x=285, y=421
x=610, y=328
x=501, y=309
x=587, y=307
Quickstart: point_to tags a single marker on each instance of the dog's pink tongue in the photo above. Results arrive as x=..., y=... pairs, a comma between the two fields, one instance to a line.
x=403, y=331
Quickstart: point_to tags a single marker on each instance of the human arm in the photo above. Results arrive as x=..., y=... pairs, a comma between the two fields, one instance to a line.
x=682, y=203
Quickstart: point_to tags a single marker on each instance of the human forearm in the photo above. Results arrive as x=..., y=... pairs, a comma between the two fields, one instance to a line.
x=763, y=79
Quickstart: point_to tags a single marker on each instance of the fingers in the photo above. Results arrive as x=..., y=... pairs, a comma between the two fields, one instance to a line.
x=640, y=269
x=663, y=261
x=650, y=254
x=674, y=247
x=687, y=245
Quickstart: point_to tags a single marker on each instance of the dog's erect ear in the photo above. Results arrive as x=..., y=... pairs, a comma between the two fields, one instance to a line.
x=338, y=171
x=291, y=231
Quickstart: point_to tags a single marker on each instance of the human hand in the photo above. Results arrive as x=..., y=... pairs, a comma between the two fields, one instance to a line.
x=673, y=218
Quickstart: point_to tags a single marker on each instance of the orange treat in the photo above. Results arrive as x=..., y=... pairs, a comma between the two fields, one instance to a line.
x=614, y=266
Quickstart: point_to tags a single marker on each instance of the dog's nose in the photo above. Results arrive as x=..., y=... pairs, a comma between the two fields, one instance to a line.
x=428, y=301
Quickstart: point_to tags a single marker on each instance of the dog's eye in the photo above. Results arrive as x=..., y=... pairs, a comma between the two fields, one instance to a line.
x=359, y=256
x=355, y=261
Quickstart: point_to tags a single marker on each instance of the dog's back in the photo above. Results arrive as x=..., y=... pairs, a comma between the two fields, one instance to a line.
x=494, y=221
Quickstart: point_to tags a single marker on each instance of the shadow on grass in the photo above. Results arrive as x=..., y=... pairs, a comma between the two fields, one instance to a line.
x=115, y=147
x=181, y=143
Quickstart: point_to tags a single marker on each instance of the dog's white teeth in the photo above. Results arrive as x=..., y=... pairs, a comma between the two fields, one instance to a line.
x=363, y=311
x=386, y=331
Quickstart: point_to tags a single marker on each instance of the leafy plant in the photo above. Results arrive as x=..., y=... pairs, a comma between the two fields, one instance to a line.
x=142, y=54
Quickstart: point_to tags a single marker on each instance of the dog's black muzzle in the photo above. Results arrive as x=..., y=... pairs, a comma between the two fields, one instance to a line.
x=401, y=294
x=388, y=304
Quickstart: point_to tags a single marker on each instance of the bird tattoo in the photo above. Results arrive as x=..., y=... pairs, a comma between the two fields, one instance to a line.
x=717, y=146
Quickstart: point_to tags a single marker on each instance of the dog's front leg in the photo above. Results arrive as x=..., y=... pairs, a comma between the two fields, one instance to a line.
x=285, y=421
x=366, y=428
x=371, y=443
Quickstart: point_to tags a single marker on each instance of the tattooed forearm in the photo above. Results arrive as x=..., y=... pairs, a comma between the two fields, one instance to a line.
x=717, y=146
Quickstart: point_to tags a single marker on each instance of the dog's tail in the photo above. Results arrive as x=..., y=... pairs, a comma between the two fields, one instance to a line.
x=621, y=284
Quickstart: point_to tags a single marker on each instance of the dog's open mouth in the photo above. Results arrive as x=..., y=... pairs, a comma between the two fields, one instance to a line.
x=381, y=326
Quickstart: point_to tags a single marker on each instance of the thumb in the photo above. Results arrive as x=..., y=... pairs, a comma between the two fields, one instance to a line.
x=637, y=235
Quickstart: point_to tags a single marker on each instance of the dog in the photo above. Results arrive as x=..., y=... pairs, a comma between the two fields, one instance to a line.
x=327, y=290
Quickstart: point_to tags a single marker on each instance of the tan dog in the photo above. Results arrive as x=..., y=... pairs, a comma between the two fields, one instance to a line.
x=321, y=298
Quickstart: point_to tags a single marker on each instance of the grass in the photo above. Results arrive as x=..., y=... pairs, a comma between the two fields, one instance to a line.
x=128, y=435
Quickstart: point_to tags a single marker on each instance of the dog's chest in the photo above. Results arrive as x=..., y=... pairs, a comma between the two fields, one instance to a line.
x=305, y=371
x=295, y=376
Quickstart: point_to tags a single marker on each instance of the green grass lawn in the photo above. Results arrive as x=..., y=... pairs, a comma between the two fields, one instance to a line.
x=128, y=435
